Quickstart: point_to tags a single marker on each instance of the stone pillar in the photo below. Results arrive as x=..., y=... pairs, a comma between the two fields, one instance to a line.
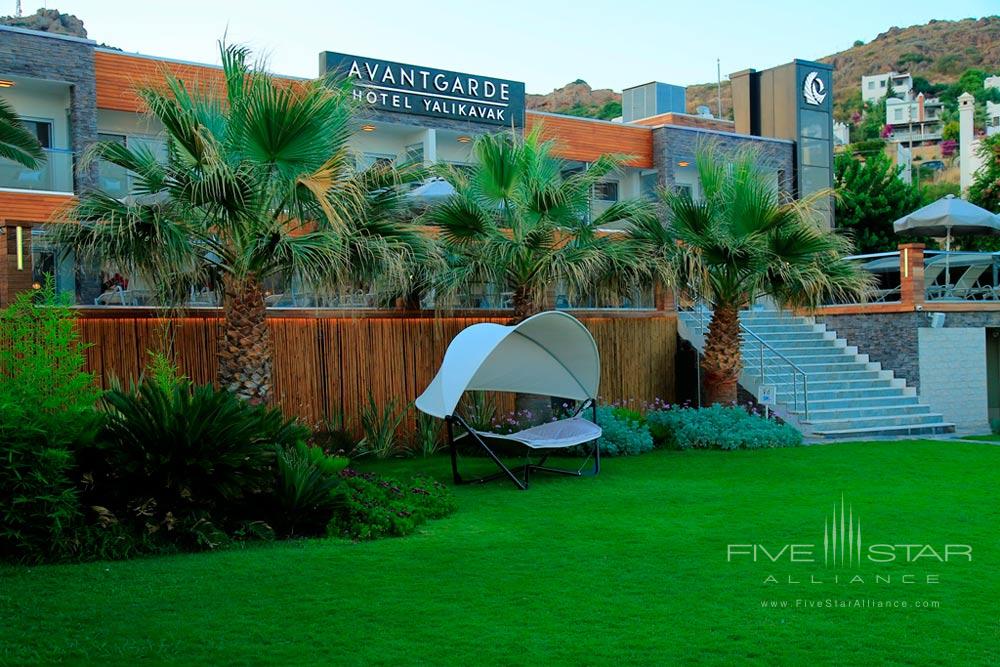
x=966, y=130
x=911, y=273
x=15, y=267
x=430, y=146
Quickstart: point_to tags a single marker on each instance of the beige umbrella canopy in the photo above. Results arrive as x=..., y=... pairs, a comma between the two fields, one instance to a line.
x=945, y=217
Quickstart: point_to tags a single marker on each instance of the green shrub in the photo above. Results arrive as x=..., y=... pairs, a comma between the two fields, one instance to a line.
x=190, y=464
x=46, y=413
x=304, y=493
x=380, y=426
x=718, y=427
x=38, y=500
x=427, y=439
x=369, y=506
x=623, y=434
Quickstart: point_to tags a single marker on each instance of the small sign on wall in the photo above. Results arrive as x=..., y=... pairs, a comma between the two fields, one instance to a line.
x=767, y=394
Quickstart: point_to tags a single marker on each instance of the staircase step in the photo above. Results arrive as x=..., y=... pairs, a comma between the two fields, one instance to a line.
x=886, y=431
x=819, y=378
x=777, y=337
x=861, y=392
x=894, y=400
x=751, y=352
x=868, y=422
x=869, y=412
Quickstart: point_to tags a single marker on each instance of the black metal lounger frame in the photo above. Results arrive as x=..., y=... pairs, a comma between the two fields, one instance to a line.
x=524, y=470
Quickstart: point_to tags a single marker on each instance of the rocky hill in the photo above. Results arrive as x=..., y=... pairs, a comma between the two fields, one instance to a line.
x=579, y=99
x=48, y=20
x=938, y=51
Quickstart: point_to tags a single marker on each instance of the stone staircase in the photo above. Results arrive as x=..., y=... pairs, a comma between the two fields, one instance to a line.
x=848, y=395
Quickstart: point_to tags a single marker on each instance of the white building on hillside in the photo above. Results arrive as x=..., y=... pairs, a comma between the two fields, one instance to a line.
x=991, y=82
x=876, y=86
x=992, y=118
x=917, y=120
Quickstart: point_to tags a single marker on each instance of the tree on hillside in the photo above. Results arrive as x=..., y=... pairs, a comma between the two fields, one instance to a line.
x=259, y=183
x=985, y=188
x=874, y=120
x=870, y=197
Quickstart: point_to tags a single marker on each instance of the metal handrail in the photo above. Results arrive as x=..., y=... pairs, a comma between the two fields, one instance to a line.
x=796, y=370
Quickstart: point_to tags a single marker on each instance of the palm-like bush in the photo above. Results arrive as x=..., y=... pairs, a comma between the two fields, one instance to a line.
x=16, y=143
x=519, y=225
x=258, y=182
x=740, y=243
x=170, y=459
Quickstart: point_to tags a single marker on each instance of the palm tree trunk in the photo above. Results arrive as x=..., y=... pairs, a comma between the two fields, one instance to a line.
x=722, y=362
x=524, y=305
x=245, y=349
x=539, y=407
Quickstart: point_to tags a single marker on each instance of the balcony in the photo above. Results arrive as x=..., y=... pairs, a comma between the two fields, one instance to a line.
x=114, y=180
x=53, y=175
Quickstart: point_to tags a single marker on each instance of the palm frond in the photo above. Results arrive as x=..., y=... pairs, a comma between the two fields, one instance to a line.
x=16, y=142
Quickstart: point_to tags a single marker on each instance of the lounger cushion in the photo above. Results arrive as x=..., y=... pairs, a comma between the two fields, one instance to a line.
x=562, y=433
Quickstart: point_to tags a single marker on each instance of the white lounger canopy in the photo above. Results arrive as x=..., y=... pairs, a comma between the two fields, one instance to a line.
x=551, y=353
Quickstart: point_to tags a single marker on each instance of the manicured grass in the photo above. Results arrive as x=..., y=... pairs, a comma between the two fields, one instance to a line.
x=992, y=437
x=627, y=567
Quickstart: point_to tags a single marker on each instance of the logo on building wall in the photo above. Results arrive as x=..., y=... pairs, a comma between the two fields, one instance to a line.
x=813, y=89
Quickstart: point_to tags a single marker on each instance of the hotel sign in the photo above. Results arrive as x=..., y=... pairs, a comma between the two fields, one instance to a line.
x=425, y=91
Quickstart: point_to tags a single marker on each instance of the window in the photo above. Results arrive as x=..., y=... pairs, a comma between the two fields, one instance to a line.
x=897, y=115
x=684, y=190
x=816, y=152
x=649, y=181
x=606, y=191
x=42, y=129
x=881, y=83
x=815, y=124
x=871, y=85
x=415, y=153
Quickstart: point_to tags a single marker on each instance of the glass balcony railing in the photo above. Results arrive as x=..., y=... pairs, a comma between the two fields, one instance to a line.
x=114, y=180
x=55, y=174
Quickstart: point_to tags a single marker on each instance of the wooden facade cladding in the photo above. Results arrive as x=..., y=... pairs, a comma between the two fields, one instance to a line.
x=33, y=207
x=118, y=75
x=586, y=140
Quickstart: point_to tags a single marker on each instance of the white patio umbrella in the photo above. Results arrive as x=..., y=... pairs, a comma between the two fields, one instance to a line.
x=433, y=191
x=947, y=216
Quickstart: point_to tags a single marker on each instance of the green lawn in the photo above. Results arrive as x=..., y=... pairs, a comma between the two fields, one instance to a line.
x=627, y=567
x=992, y=437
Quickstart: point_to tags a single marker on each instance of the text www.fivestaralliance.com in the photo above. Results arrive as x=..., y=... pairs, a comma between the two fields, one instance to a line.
x=858, y=603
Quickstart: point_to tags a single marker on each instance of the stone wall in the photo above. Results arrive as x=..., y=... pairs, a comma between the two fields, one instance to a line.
x=892, y=338
x=59, y=58
x=672, y=144
x=953, y=377
x=947, y=365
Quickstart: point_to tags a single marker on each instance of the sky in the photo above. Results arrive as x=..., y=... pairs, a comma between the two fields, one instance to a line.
x=546, y=44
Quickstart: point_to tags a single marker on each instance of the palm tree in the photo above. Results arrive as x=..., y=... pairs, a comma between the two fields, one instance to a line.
x=16, y=142
x=259, y=182
x=518, y=224
x=741, y=242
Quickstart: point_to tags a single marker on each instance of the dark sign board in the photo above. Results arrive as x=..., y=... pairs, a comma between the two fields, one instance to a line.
x=425, y=91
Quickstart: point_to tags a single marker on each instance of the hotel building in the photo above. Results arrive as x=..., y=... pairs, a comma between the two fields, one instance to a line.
x=71, y=92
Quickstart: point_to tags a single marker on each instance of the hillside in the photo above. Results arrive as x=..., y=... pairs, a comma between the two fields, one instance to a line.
x=579, y=99
x=48, y=20
x=938, y=51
